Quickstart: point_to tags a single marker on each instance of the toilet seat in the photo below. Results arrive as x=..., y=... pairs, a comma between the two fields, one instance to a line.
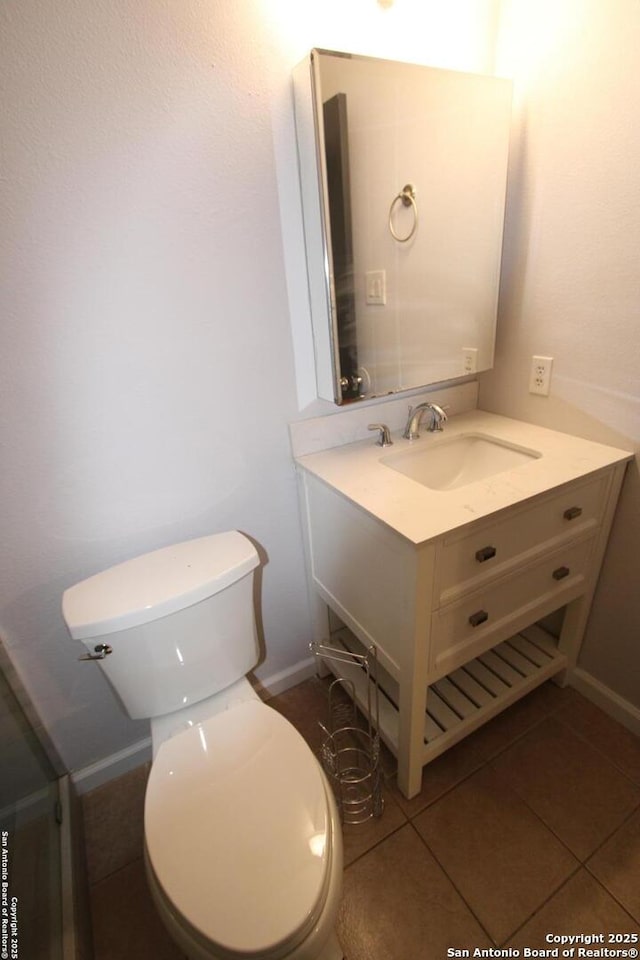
x=238, y=832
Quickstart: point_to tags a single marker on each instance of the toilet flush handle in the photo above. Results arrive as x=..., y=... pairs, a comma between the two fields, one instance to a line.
x=102, y=650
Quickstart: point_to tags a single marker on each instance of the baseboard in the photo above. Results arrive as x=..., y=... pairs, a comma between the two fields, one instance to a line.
x=96, y=774
x=277, y=683
x=608, y=700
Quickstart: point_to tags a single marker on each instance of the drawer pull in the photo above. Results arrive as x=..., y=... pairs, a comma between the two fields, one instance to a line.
x=478, y=617
x=572, y=512
x=561, y=573
x=487, y=553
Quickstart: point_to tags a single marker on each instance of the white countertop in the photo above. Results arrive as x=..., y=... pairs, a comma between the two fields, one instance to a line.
x=420, y=513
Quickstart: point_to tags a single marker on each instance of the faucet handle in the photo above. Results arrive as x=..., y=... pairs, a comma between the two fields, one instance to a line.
x=385, y=436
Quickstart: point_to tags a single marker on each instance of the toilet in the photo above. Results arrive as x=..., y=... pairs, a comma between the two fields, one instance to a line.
x=243, y=846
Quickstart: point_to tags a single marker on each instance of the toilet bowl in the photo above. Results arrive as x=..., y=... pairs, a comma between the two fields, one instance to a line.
x=249, y=798
x=243, y=847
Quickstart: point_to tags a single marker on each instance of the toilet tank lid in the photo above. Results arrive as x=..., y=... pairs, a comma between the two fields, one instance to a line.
x=156, y=584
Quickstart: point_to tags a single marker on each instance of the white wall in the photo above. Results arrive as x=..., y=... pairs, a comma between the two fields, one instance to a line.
x=571, y=275
x=147, y=359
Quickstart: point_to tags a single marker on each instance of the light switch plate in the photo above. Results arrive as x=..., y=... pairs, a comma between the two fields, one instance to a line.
x=376, y=287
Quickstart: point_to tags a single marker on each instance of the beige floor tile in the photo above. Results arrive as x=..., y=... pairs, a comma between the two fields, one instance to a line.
x=617, y=865
x=113, y=818
x=399, y=905
x=582, y=906
x=303, y=706
x=574, y=789
x=501, y=858
x=361, y=837
x=125, y=923
x=307, y=705
x=471, y=753
x=604, y=733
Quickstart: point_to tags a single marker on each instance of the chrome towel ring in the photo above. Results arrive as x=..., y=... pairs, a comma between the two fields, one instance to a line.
x=408, y=197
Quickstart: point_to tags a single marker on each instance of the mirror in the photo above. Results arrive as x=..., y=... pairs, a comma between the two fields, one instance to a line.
x=403, y=177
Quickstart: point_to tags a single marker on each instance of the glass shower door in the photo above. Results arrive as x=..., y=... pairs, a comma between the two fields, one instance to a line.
x=30, y=885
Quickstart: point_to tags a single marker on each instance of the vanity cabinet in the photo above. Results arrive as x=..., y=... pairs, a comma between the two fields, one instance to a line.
x=455, y=618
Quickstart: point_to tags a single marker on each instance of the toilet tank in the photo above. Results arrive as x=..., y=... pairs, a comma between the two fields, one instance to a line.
x=180, y=622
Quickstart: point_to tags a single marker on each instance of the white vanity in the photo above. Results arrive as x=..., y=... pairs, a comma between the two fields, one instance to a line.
x=445, y=553
x=469, y=557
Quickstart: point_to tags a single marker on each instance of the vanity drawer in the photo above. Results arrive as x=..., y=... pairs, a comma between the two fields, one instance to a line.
x=492, y=549
x=466, y=628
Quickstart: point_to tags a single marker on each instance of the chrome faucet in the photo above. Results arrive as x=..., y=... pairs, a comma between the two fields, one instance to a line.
x=438, y=417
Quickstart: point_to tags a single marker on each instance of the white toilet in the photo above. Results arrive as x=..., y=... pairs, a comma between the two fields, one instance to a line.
x=243, y=845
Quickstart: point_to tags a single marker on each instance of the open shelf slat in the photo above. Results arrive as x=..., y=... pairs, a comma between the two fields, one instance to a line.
x=470, y=695
x=515, y=659
x=441, y=713
x=500, y=667
x=493, y=684
x=474, y=691
x=456, y=699
x=530, y=650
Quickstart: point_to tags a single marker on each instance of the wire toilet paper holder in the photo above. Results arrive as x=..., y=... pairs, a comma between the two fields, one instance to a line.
x=350, y=751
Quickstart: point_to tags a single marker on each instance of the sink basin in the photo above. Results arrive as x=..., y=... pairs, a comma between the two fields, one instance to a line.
x=449, y=464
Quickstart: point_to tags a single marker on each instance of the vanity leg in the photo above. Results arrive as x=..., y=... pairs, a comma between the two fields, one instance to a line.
x=573, y=626
x=561, y=679
x=409, y=779
x=411, y=738
x=414, y=664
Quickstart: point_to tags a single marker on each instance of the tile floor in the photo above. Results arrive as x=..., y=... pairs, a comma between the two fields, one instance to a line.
x=530, y=826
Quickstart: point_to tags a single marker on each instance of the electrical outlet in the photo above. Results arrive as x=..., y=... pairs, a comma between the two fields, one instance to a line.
x=469, y=359
x=540, y=377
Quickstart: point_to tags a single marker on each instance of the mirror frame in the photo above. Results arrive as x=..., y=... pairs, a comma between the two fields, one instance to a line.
x=310, y=138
